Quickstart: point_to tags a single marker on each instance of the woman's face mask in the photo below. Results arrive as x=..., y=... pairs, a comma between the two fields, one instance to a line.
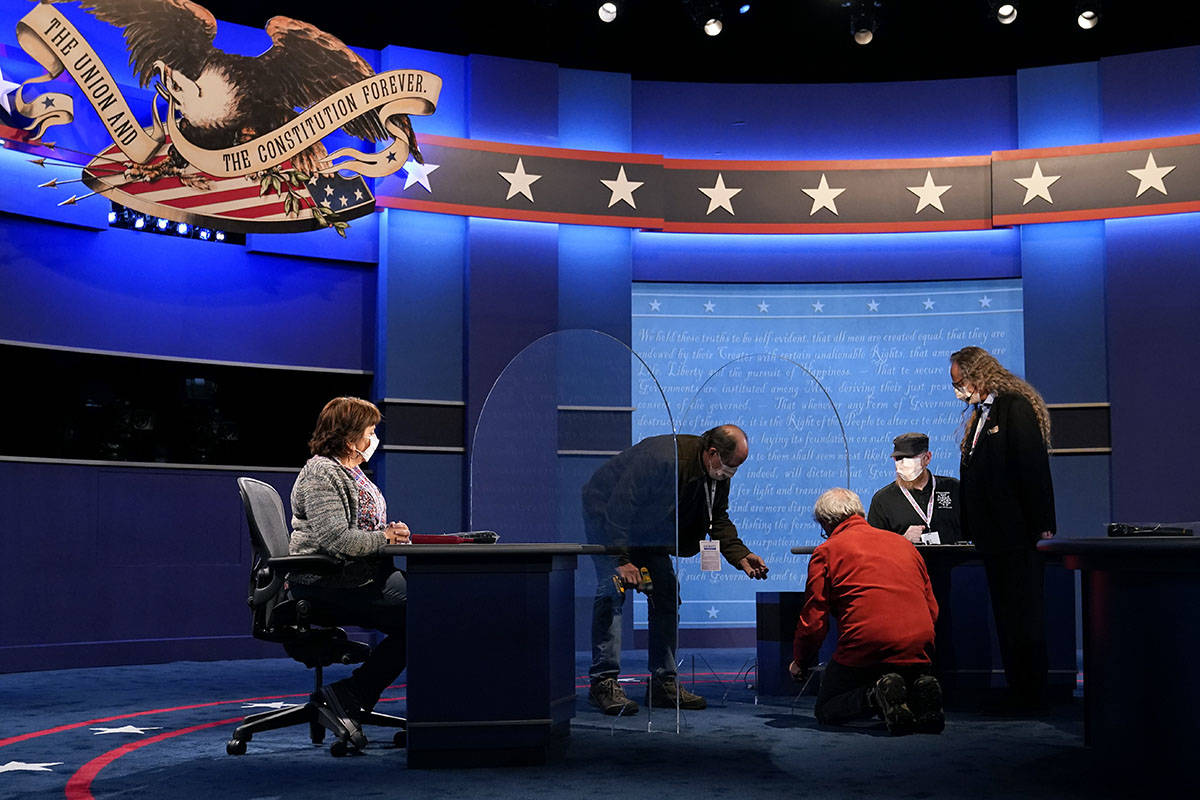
x=370, y=451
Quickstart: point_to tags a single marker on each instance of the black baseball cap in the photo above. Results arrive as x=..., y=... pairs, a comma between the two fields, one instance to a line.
x=908, y=445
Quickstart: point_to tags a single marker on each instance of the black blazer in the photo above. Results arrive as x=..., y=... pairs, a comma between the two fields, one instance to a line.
x=1005, y=488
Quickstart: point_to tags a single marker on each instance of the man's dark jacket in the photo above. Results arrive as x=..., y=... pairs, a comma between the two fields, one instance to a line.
x=1007, y=496
x=630, y=500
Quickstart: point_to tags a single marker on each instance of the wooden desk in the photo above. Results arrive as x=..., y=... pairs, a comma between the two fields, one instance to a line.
x=491, y=652
x=1141, y=644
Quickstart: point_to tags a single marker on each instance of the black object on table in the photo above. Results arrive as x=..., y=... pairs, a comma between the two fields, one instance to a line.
x=491, y=652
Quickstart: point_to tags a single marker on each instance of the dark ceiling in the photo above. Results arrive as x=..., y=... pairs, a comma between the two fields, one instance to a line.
x=788, y=41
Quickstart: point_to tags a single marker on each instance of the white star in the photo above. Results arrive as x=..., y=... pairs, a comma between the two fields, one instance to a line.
x=1037, y=184
x=125, y=729
x=928, y=304
x=818, y=306
x=6, y=89
x=710, y=307
x=343, y=200
x=358, y=195
x=985, y=302
x=622, y=189
x=21, y=766
x=1150, y=176
x=719, y=196
x=328, y=189
x=655, y=305
x=928, y=194
x=419, y=173
x=712, y=612
x=763, y=307
x=277, y=705
x=313, y=180
x=519, y=182
x=873, y=305
x=822, y=196
x=326, y=204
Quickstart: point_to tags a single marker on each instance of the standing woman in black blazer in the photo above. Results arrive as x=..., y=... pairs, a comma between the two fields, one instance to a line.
x=1007, y=505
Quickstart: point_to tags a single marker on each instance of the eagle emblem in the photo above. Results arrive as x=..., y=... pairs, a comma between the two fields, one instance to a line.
x=241, y=145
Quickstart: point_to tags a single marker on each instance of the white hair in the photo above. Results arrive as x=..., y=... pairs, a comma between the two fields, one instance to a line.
x=835, y=506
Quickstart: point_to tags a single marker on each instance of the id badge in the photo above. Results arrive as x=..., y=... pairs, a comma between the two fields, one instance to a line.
x=710, y=556
x=930, y=537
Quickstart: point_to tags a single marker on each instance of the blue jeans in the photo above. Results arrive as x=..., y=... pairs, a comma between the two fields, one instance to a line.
x=608, y=608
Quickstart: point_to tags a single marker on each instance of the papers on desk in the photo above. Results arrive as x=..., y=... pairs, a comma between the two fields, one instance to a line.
x=462, y=537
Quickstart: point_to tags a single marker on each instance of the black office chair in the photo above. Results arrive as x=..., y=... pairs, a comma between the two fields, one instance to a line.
x=307, y=634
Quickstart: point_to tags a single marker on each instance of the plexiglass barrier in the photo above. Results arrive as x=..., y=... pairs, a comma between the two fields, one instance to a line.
x=554, y=459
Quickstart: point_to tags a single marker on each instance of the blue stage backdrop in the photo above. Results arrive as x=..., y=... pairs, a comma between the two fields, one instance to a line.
x=821, y=377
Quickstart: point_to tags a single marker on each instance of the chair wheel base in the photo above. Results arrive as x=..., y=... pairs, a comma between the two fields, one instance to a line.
x=400, y=739
x=236, y=747
x=342, y=748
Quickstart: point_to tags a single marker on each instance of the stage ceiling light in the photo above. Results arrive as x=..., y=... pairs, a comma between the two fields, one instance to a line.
x=607, y=12
x=714, y=26
x=1088, y=15
x=1006, y=13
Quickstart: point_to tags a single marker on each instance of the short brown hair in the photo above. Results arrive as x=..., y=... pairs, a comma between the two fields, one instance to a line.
x=342, y=419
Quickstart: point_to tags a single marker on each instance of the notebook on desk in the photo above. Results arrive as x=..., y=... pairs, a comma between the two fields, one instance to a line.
x=462, y=537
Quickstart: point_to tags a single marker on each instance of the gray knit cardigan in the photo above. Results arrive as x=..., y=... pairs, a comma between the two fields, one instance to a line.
x=324, y=514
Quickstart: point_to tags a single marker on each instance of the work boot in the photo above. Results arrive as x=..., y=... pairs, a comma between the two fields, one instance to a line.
x=607, y=695
x=889, y=697
x=662, y=693
x=925, y=701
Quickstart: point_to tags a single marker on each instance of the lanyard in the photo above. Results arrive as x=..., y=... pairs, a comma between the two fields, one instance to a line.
x=710, y=496
x=927, y=516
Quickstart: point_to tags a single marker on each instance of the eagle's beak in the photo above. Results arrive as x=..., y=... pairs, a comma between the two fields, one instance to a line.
x=164, y=73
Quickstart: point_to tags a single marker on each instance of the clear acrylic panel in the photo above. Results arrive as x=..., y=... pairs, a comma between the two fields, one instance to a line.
x=798, y=449
x=553, y=460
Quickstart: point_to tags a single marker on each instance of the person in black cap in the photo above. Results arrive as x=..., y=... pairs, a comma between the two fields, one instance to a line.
x=921, y=506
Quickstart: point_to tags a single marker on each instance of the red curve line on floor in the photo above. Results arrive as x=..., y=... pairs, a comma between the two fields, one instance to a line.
x=79, y=786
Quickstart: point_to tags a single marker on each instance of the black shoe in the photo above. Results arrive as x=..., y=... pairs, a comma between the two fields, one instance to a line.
x=925, y=702
x=890, y=698
x=607, y=695
x=340, y=699
x=666, y=692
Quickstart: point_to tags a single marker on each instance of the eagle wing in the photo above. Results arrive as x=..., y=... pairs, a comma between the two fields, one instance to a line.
x=310, y=64
x=177, y=32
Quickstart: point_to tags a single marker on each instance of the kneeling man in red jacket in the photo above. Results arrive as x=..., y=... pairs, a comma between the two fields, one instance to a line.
x=875, y=585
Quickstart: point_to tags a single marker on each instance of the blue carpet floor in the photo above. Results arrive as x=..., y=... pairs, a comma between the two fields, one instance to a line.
x=159, y=731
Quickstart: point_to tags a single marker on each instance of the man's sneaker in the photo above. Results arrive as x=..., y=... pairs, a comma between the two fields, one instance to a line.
x=890, y=698
x=340, y=698
x=607, y=695
x=925, y=701
x=663, y=693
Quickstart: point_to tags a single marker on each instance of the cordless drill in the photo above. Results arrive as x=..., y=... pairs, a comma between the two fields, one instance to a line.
x=644, y=585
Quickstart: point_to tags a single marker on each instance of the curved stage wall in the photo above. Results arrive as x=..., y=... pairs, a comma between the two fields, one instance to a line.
x=431, y=306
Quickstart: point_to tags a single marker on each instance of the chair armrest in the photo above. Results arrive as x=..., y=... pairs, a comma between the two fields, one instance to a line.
x=313, y=563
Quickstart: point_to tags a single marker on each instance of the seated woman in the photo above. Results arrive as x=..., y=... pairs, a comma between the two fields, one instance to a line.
x=337, y=511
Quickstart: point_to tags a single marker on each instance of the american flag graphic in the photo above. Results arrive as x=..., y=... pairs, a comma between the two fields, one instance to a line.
x=240, y=204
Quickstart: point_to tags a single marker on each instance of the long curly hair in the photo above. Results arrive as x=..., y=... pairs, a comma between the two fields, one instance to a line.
x=988, y=376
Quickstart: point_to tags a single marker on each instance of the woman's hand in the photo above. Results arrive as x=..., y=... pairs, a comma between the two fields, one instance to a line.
x=397, y=533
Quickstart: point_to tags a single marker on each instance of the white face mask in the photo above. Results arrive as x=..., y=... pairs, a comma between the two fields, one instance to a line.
x=370, y=451
x=962, y=394
x=909, y=469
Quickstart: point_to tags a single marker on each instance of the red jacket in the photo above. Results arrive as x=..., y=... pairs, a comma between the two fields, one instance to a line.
x=875, y=585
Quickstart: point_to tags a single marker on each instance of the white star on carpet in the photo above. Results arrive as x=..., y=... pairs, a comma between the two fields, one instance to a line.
x=125, y=729
x=655, y=305
x=419, y=173
x=985, y=302
x=21, y=766
x=712, y=612
x=520, y=182
x=719, y=196
x=928, y=194
x=1150, y=176
x=873, y=305
x=1037, y=184
x=275, y=705
x=822, y=196
x=710, y=307
x=928, y=304
x=818, y=307
x=622, y=189
x=763, y=307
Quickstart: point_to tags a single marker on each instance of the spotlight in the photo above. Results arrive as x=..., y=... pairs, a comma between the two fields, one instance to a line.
x=1006, y=13
x=863, y=22
x=220, y=236
x=183, y=229
x=205, y=234
x=139, y=223
x=112, y=217
x=714, y=26
x=1088, y=15
x=162, y=224
x=745, y=7
x=607, y=12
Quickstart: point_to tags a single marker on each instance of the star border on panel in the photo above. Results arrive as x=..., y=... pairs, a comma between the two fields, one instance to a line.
x=929, y=195
x=719, y=196
x=823, y=196
x=1037, y=184
x=1151, y=176
x=520, y=181
x=622, y=189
